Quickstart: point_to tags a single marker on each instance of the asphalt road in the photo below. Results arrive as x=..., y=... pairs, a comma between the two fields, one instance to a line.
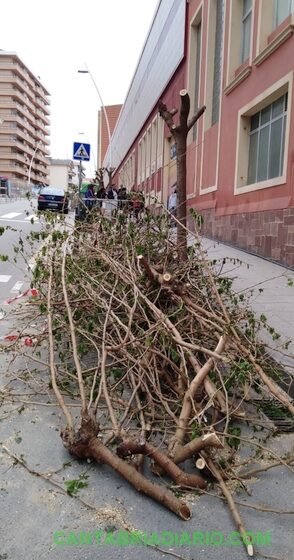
x=18, y=218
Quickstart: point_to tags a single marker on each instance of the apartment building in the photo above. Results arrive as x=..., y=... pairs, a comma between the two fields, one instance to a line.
x=24, y=121
x=236, y=58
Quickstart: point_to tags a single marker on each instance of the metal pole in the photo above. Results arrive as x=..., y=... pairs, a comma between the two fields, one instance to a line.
x=80, y=177
x=87, y=71
x=31, y=163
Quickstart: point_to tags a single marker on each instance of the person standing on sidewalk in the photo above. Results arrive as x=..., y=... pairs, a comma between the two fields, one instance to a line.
x=172, y=204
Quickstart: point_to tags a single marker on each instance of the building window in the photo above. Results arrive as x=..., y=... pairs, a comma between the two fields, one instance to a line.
x=282, y=9
x=219, y=27
x=143, y=159
x=197, y=74
x=263, y=132
x=160, y=137
x=194, y=68
x=148, y=152
x=272, y=14
x=267, y=141
x=246, y=29
x=153, y=145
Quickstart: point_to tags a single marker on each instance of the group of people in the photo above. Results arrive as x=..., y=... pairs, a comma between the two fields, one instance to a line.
x=111, y=200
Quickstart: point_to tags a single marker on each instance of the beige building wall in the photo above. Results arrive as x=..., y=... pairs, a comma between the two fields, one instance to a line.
x=62, y=172
x=24, y=121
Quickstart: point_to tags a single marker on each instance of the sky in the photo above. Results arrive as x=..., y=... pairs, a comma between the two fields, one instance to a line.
x=57, y=38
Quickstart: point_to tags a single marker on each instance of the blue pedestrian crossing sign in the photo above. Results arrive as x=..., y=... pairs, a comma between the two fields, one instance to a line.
x=81, y=151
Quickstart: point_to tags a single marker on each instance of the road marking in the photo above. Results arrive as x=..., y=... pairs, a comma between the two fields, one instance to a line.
x=11, y=215
x=17, y=286
x=4, y=278
x=32, y=216
x=13, y=221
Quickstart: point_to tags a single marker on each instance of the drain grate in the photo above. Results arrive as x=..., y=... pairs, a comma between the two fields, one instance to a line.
x=276, y=413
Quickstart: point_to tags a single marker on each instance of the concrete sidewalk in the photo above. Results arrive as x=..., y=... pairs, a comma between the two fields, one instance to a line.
x=276, y=301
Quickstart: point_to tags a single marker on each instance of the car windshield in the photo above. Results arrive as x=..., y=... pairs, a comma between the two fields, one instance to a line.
x=53, y=191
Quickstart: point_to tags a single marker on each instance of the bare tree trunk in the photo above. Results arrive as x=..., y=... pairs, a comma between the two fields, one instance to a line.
x=180, y=133
x=99, y=176
x=110, y=171
x=181, y=197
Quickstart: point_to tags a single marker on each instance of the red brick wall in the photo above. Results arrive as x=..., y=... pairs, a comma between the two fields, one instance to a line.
x=269, y=234
x=112, y=112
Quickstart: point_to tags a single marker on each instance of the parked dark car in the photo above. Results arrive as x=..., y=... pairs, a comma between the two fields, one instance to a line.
x=52, y=198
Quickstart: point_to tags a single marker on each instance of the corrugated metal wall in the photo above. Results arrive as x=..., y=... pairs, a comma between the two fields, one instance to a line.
x=161, y=55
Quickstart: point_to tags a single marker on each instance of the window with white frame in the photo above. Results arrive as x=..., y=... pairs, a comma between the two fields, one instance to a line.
x=240, y=26
x=282, y=9
x=262, y=148
x=139, y=170
x=148, y=152
x=246, y=30
x=267, y=141
x=134, y=166
x=195, y=65
x=153, y=145
x=272, y=14
x=160, y=136
x=143, y=158
x=197, y=73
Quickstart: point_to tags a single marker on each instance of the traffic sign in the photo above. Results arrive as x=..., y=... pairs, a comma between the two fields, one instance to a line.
x=81, y=151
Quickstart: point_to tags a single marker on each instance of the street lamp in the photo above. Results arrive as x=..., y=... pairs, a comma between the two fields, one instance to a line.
x=31, y=163
x=87, y=71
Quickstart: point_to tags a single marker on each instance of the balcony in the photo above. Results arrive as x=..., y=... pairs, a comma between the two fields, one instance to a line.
x=16, y=82
x=40, y=92
x=14, y=143
x=18, y=119
x=15, y=94
x=43, y=117
x=6, y=104
x=14, y=168
x=18, y=132
x=39, y=103
x=24, y=74
x=41, y=169
x=25, y=112
x=41, y=126
x=20, y=158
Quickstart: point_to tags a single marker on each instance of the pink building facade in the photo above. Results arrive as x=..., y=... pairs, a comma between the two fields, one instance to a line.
x=236, y=57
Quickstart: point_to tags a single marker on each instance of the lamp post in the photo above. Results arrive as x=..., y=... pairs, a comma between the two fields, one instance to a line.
x=31, y=163
x=87, y=71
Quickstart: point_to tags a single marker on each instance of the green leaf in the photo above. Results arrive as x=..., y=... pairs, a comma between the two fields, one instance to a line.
x=73, y=486
x=234, y=441
x=117, y=373
x=174, y=355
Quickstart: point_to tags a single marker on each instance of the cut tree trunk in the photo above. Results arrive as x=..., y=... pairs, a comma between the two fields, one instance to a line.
x=85, y=444
x=180, y=133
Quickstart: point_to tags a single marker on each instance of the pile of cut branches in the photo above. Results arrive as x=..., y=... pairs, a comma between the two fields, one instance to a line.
x=161, y=353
